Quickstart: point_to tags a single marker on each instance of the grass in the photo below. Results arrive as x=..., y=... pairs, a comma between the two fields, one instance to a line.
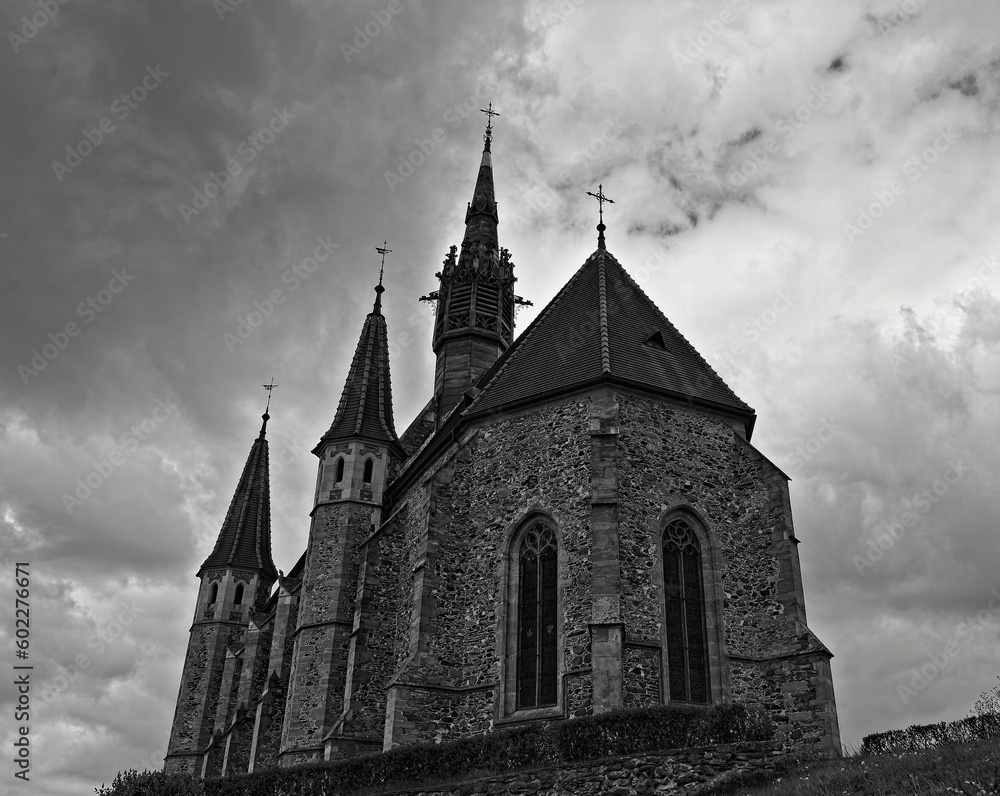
x=971, y=769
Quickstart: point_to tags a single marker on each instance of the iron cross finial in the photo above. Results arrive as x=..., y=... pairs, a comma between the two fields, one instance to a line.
x=490, y=113
x=269, y=387
x=383, y=251
x=601, y=199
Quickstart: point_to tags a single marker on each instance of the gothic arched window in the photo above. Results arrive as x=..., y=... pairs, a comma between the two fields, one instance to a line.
x=369, y=469
x=537, y=603
x=238, y=600
x=214, y=594
x=687, y=641
x=340, y=470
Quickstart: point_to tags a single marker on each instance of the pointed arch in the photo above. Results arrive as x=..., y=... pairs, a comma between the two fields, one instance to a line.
x=691, y=605
x=238, y=599
x=537, y=639
x=530, y=629
x=369, y=471
x=684, y=603
x=213, y=595
x=339, y=476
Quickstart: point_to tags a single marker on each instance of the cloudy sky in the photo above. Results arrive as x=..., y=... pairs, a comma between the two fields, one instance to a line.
x=809, y=190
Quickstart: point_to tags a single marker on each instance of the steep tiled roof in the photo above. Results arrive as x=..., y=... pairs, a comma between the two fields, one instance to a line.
x=245, y=539
x=365, y=408
x=601, y=326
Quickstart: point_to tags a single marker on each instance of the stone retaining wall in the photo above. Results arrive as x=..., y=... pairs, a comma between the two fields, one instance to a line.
x=655, y=773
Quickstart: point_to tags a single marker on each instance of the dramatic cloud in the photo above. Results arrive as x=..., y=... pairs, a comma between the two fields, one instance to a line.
x=193, y=193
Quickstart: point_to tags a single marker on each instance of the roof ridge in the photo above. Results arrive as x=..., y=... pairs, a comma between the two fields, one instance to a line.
x=603, y=298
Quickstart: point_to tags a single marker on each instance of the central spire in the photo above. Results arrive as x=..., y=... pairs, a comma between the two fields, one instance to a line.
x=475, y=302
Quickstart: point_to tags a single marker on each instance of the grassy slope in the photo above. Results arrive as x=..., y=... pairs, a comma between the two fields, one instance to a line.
x=963, y=769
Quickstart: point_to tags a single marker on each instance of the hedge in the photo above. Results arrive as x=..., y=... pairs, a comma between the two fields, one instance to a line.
x=615, y=734
x=928, y=736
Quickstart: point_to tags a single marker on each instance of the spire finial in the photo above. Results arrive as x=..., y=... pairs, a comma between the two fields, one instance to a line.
x=490, y=113
x=601, y=199
x=265, y=417
x=379, y=290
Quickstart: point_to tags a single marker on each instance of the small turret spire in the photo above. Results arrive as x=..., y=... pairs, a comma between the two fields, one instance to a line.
x=601, y=199
x=379, y=290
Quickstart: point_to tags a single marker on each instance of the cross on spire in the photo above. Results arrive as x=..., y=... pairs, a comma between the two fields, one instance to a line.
x=490, y=113
x=269, y=387
x=266, y=416
x=601, y=199
x=379, y=290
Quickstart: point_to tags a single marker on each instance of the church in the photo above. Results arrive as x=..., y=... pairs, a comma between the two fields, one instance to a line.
x=576, y=522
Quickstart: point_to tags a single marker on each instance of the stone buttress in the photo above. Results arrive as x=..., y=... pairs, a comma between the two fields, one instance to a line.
x=235, y=580
x=355, y=457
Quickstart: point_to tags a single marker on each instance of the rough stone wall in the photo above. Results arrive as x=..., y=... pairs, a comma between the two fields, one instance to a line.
x=199, y=694
x=239, y=739
x=642, y=675
x=798, y=692
x=677, y=771
x=381, y=626
x=457, y=524
x=676, y=456
x=322, y=640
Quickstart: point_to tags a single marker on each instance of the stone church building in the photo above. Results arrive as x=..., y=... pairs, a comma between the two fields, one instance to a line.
x=575, y=523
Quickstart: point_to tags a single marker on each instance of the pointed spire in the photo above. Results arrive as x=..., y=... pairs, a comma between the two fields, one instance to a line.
x=365, y=408
x=245, y=538
x=481, y=218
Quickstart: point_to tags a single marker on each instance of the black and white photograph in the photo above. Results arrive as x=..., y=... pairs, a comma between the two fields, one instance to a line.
x=544, y=396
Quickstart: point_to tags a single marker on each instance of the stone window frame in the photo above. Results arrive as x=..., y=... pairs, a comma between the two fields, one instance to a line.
x=506, y=703
x=714, y=597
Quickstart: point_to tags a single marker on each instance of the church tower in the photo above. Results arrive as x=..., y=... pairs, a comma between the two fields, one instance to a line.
x=356, y=456
x=475, y=302
x=236, y=580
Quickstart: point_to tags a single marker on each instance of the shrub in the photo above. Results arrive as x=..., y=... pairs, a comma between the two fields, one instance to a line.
x=928, y=736
x=613, y=734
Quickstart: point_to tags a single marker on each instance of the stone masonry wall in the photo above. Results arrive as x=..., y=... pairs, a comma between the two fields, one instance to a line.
x=326, y=613
x=675, y=456
x=474, y=499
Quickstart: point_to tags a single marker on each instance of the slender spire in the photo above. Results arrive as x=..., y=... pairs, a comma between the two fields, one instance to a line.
x=474, y=316
x=245, y=537
x=379, y=290
x=601, y=199
x=365, y=408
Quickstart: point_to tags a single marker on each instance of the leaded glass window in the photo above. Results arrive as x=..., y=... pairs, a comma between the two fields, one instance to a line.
x=687, y=645
x=536, y=618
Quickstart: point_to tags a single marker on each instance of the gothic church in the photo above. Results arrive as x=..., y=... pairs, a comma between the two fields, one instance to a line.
x=575, y=523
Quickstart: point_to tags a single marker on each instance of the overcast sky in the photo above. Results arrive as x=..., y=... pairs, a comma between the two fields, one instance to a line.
x=809, y=190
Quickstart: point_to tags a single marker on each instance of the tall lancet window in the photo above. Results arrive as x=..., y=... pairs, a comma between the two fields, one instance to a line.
x=536, y=618
x=687, y=645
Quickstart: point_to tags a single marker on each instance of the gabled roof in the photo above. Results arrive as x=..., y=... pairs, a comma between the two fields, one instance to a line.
x=245, y=538
x=602, y=327
x=365, y=409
